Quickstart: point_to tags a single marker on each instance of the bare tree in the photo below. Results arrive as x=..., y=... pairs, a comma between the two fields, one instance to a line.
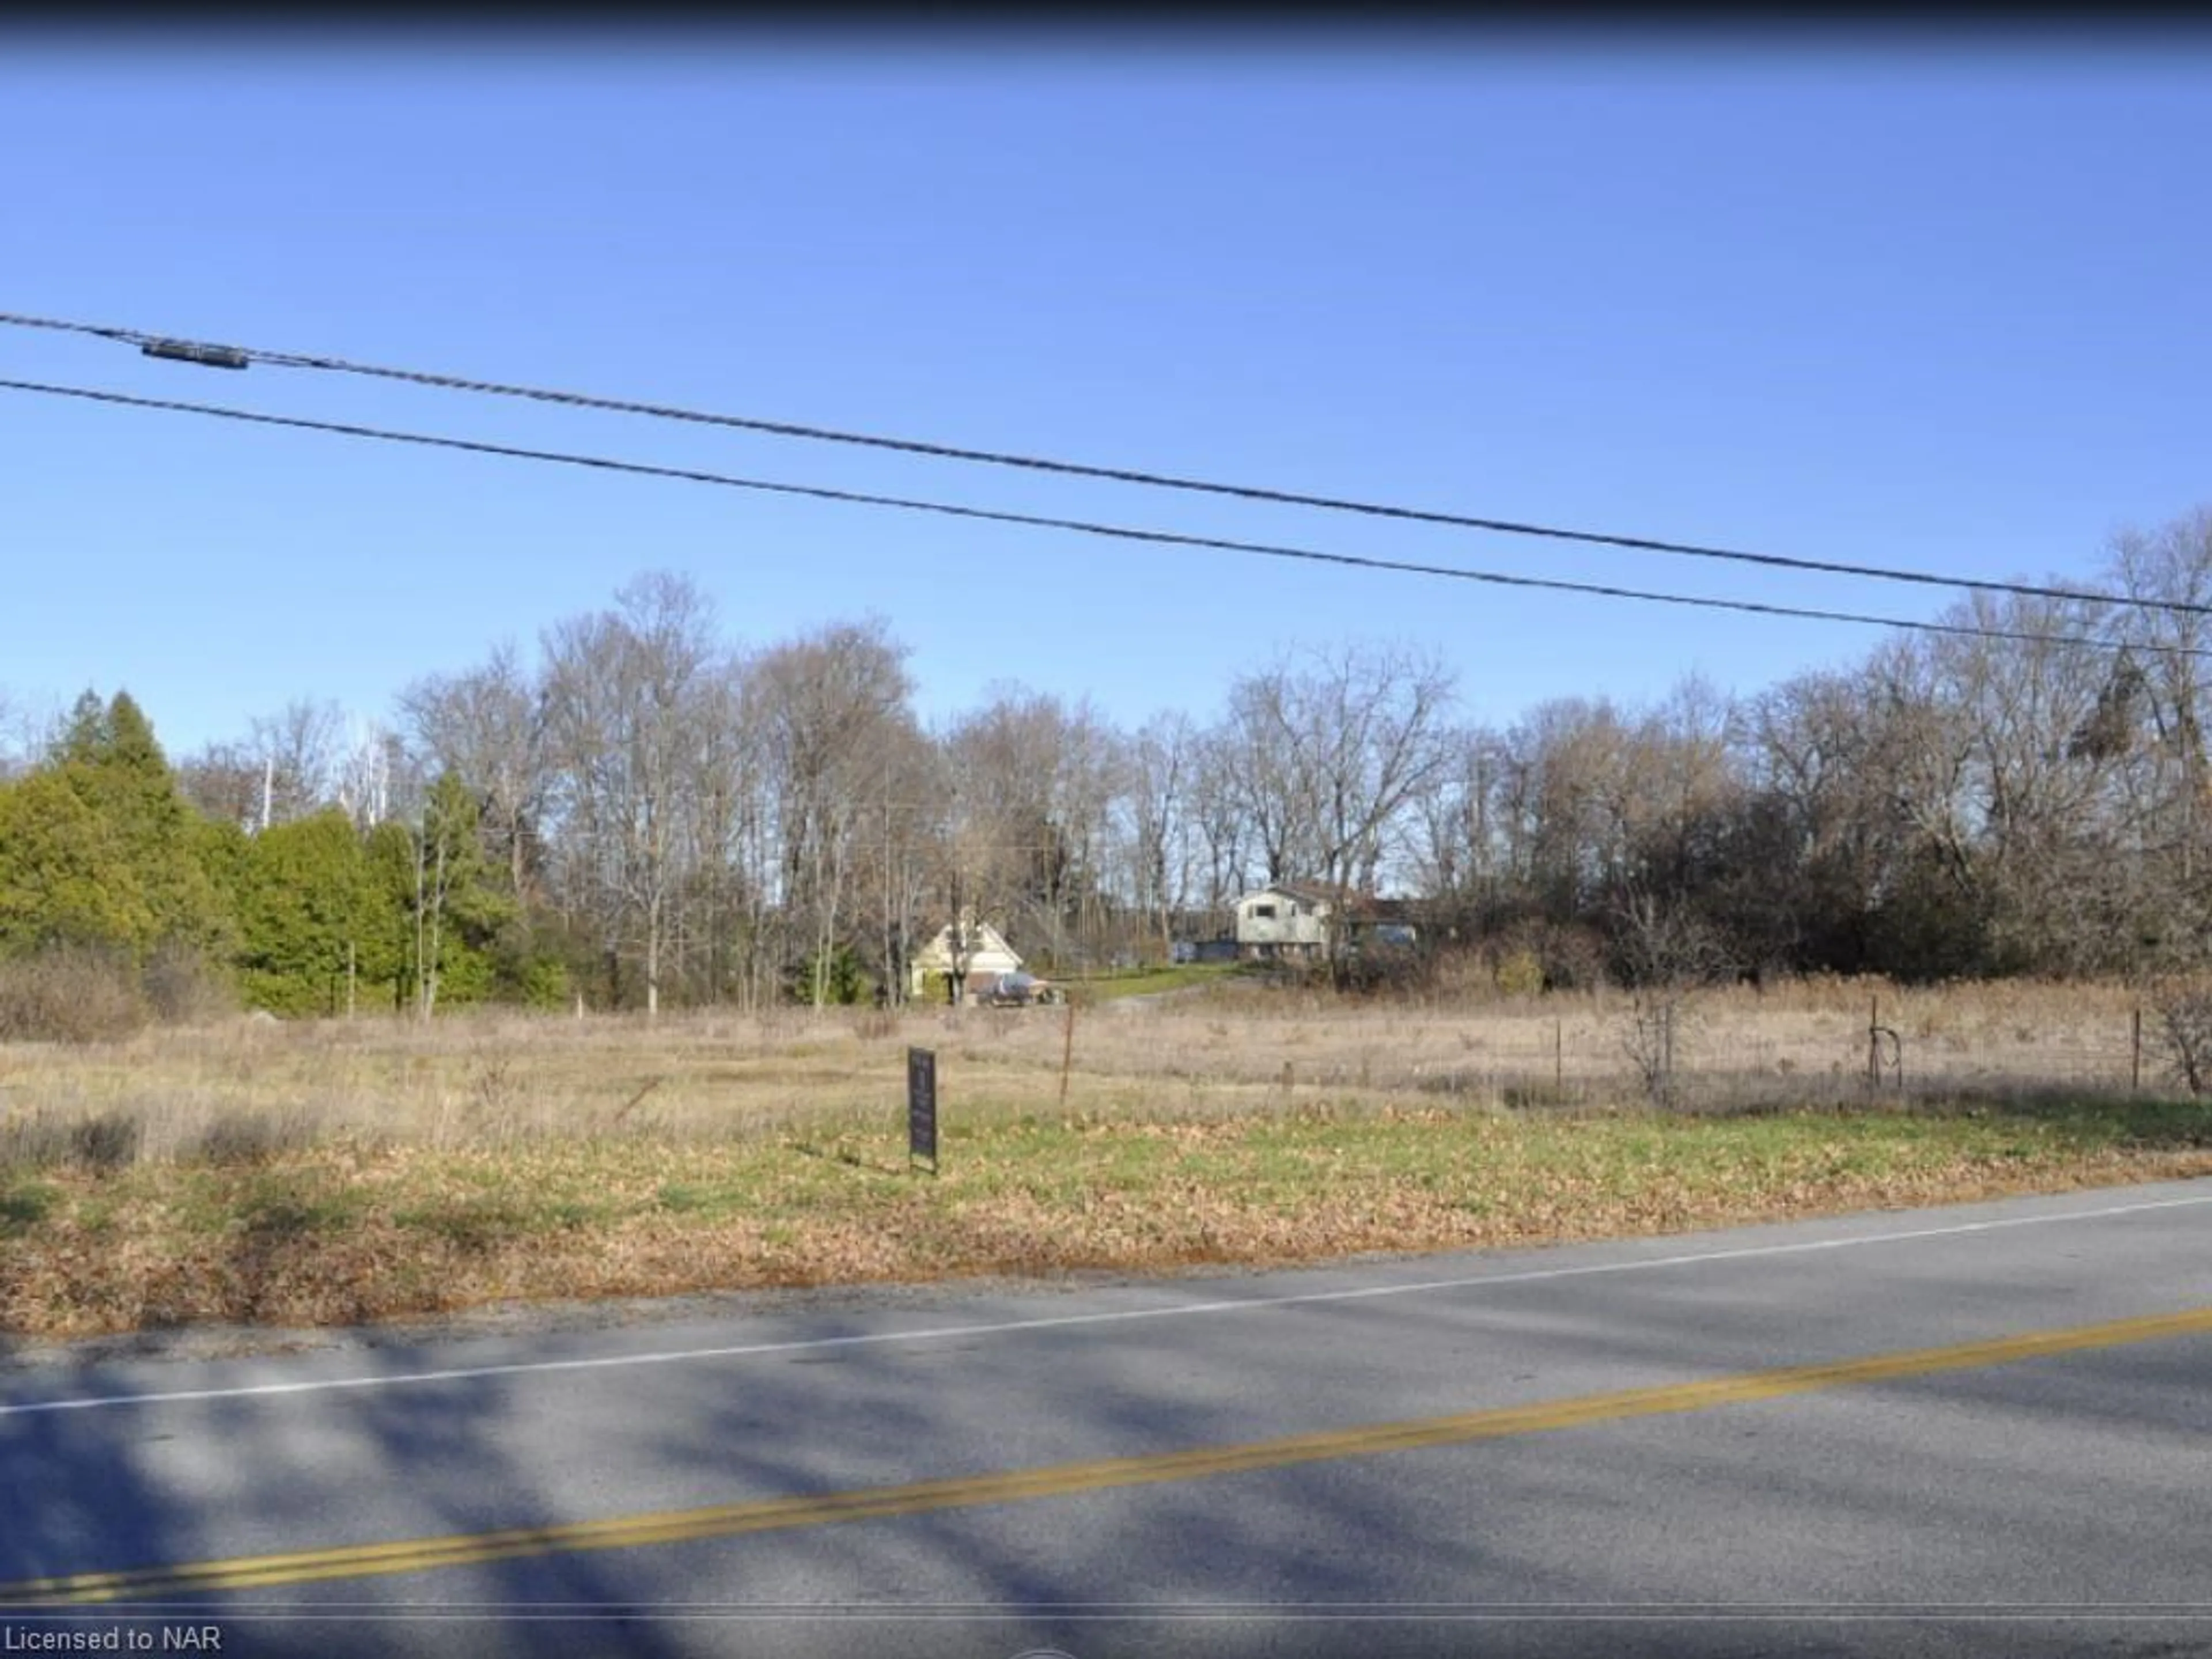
x=1264, y=776
x=288, y=766
x=1686, y=784
x=2169, y=776
x=1218, y=825
x=902, y=842
x=1564, y=794
x=443, y=840
x=1463, y=860
x=1089, y=787
x=1330, y=750
x=15, y=747
x=224, y=780
x=488, y=724
x=367, y=770
x=836, y=707
x=1667, y=953
x=2183, y=1004
x=624, y=718
x=300, y=748
x=2044, y=808
x=1821, y=831
x=730, y=866
x=1159, y=762
x=1032, y=783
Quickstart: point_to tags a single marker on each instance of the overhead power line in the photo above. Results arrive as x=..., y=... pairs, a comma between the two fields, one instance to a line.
x=227, y=356
x=1080, y=526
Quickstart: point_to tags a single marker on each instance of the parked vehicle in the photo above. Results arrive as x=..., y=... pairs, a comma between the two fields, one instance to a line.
x=1020, y=990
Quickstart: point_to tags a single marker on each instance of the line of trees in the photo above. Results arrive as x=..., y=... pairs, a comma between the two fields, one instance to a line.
x=642, y=814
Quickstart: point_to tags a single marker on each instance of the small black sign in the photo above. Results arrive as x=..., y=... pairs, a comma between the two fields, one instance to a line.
x=921, y=1105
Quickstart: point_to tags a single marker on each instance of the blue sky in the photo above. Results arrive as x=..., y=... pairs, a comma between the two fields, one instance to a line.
x=1927, y=302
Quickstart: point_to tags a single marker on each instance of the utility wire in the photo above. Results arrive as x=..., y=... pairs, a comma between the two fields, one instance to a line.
x=1081, y=527
x=225, y=356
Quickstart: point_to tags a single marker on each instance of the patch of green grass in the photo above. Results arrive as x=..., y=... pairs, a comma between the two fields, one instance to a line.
x=474, y=1225
x=259, y=1198
x=1032, y=1192
x=684, y=1201
x=2069, y=1120
x=1149, y=981
x=23, y=1207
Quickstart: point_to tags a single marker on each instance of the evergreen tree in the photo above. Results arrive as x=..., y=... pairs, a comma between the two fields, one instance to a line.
x=386, y=952
x=66, y=875
x=304, y=907
x=442, y=914
x=107, y=757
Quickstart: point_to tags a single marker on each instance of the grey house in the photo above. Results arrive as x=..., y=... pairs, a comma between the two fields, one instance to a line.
x=1295, y=920
x=1285, y=919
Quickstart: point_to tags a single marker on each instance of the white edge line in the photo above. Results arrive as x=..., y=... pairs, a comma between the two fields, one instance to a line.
x=1183, y=1310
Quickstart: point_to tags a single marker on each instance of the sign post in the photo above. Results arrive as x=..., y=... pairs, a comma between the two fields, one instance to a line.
x=921, y=1107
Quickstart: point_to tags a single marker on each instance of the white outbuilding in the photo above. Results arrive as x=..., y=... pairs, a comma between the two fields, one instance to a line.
x=983, y=952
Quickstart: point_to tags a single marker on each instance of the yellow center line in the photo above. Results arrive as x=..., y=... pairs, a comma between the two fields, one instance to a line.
x=1060, y=1480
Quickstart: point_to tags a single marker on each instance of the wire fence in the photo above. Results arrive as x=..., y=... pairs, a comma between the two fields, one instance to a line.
x=1721, y=1052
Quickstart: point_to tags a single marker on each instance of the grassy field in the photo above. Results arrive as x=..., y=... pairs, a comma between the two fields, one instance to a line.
x=1157, y=981
x=337, y=1172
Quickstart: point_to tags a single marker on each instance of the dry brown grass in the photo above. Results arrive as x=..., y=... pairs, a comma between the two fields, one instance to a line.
x=498, y=1079
x=328, y=1171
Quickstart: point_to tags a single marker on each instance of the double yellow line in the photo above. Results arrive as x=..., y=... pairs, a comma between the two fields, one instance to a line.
x=1060, y=1481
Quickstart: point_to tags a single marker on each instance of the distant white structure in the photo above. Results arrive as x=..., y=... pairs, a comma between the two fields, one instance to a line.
x=987, y=957
x=1282, y=919
x=1296, y=920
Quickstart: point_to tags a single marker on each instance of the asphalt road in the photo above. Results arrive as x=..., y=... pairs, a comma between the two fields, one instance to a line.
x=1985, y=1430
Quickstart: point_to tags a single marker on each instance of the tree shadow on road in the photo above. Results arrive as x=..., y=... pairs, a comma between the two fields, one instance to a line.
x=1614, y=1537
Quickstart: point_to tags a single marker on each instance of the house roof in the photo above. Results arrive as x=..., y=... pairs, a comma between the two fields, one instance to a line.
x=1305, y=892
x=986, y=948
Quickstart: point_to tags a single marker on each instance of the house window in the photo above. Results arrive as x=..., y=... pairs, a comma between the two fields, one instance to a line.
x=1265, y=912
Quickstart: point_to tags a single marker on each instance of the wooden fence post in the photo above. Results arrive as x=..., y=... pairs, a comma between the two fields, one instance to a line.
x=1066, y=1053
